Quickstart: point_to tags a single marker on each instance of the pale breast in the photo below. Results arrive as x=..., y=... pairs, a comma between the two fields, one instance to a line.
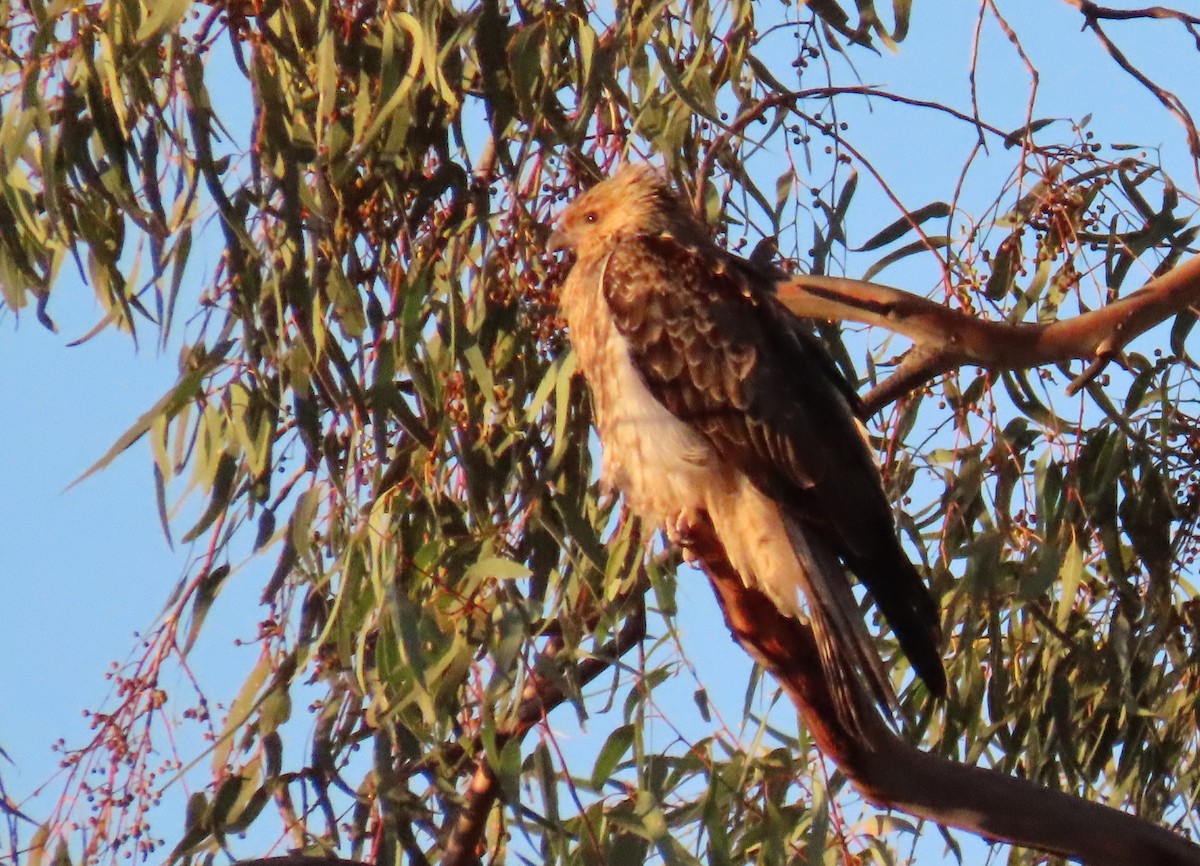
x=662, y=465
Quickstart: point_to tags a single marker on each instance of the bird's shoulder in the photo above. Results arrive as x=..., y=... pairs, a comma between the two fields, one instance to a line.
x=694, y=306
x=656, y=267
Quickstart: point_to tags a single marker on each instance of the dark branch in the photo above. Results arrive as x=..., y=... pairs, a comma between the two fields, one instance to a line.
x=1169, y=100
x=540, y=697
x=1091, y=10
x=892, y=774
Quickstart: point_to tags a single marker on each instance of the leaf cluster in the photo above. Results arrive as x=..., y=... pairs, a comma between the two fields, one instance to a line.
x=374, y=394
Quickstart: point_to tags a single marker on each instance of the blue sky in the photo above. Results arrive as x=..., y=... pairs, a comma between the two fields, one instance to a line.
x=82, y=569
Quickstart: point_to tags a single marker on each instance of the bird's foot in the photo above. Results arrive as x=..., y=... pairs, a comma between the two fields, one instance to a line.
x=679, y=532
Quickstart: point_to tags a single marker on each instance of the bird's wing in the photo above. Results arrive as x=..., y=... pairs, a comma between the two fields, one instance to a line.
x=721, y=353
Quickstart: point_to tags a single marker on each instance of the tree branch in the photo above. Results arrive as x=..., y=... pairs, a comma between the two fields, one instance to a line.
x=539, y=697
x=463, y=844
x=945, y=338
x=1092, y=15
x=298, y=860
x=1091, y=10
x=892, y=774
x=791, y=98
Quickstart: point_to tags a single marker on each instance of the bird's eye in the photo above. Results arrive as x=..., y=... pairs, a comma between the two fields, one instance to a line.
x=591, y=216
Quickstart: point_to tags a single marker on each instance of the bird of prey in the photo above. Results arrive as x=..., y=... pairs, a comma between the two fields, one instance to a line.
x=712, y=398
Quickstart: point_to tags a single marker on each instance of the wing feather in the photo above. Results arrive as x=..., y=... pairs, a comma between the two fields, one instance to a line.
x=720, y=352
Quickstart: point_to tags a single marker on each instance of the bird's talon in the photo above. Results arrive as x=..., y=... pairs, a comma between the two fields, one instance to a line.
x=679, y=530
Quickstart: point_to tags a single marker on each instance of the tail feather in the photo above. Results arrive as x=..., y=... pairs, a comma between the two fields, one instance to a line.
x=911, y=614
x=787, y=557
x=847, y=651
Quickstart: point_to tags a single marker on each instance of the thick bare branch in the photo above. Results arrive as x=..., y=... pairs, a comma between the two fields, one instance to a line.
x=945, y=338
x=892, y=774
x=463, y=844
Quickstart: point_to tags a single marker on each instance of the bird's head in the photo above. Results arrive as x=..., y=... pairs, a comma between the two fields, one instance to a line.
x=635, y=201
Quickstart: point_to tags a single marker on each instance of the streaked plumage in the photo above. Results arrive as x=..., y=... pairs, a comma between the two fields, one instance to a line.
x=710, y=396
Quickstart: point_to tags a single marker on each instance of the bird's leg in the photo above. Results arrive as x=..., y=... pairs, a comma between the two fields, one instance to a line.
x=679, y=531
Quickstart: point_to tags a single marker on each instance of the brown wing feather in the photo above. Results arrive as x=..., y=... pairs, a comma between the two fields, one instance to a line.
x=717, y=349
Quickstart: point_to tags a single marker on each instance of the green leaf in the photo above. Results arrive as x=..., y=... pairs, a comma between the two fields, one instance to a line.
x=481, y=373
x=222, y=495
x=240, y=711
x=183, y=393
x=562, y=410
x=509, y=770
x=901, y=12
x=1070, y=575
x=680, y=86
x=907, y=223
x=924, y=245
x=1005, y=264
x=614, y=749
x=266, y=529
x=843, y=203
x=397, y=97
x=206, y=593
x=160, y=500
x=1017, y=136
x=497, y=567
x=165, y=16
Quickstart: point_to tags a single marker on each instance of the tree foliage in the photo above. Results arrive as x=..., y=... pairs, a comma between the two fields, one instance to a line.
x=375, y=396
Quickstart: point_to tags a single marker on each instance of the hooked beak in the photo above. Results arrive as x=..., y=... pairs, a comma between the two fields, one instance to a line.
x=557, y=242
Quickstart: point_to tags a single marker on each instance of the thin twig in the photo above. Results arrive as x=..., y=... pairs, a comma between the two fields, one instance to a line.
x=1169, y=100
x=790, y=98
